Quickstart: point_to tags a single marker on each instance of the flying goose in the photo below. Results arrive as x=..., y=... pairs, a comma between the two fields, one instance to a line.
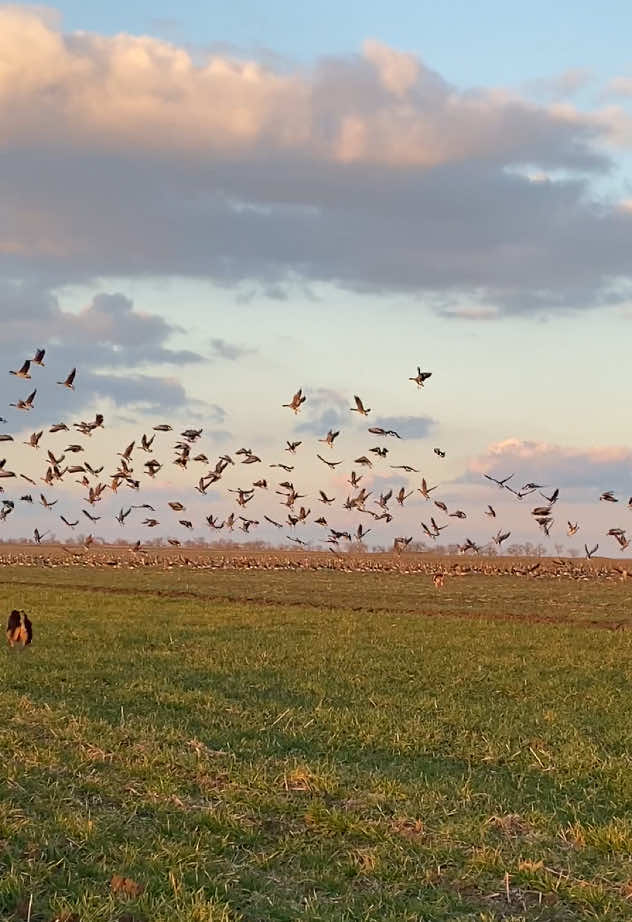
x=330, y=437
x=38, y=358
x=127, y=454
x=296, y=401
x=359, y=407
x=501, y=536
x=377, y=430
x=122, y=515
x=425, y=490
x=502, y=482
x=382, y=502
x=273, y=522
x=213, y=523
x=332, y=464
x=70, y=380
x=25, y=404
x=420, y=377
x=34, y=439
x=22, y=372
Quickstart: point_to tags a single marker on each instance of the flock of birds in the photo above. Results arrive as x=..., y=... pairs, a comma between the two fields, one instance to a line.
x=138, y=466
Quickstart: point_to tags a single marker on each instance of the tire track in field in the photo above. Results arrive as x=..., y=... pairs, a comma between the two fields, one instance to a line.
x=262, y=601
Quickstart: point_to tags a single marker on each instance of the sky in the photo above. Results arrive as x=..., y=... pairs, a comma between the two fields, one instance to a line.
x=205, y=207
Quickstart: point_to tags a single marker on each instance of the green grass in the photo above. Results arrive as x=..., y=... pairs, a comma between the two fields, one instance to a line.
x=250, y=761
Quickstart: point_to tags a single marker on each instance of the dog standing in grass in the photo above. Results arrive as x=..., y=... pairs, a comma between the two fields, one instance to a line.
x=19, y=628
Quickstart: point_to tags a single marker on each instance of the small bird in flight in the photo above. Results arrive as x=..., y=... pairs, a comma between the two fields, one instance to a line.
x=297, y=400
x=359, y=407
x=420, y=377
x=70, y=380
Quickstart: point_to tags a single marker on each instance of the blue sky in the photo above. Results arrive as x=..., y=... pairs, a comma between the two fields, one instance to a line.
x=253, y=198
x=486, y=42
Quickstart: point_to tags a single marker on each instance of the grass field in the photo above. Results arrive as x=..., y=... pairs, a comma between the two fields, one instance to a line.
x=315, y=746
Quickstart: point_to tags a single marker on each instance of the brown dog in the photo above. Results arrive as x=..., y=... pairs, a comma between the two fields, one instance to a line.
x=437, y=579
x=19, y=628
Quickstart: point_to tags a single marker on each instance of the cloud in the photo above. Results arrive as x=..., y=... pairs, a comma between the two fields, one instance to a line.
x=108, y=327
x=409, y=427
x=600, y=468
x=560, y=86
x=324, y=409
x=620, y=86
x=230, y=351
x=128, y=156
x=137, y=92
x=107, y=340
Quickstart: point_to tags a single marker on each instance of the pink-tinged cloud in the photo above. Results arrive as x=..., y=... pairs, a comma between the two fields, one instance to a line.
x=601, y=468
x=620, y=86
x=126, y=156
x=128, y=92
